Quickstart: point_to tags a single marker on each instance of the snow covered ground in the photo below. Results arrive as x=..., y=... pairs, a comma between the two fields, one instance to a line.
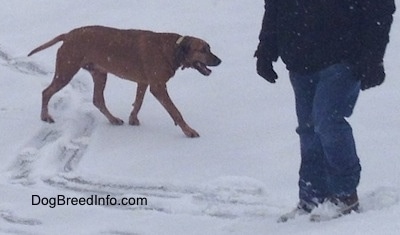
x=237, y=178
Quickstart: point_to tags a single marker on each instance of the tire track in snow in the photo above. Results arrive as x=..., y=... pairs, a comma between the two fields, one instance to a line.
x=24, y=164
x=65, y=141
x=10, y=217
x=53, y=142
x=224, y=199
x=21, y=64
x=71, y=152
x=228, y=202
x=17, y=224
x=61, y=145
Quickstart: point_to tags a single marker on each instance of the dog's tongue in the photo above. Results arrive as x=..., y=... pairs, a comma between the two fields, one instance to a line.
x=202, y=68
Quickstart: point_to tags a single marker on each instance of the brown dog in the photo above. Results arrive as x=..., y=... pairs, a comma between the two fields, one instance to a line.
x=146, y=57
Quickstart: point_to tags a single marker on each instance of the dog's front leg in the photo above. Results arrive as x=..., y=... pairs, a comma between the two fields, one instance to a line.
x=160, y=92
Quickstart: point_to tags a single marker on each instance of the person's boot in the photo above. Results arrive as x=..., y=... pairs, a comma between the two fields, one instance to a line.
x=336, y=207
x=302, y=208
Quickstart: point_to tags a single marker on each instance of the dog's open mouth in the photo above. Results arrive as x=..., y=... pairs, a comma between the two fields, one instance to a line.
x=202, y=68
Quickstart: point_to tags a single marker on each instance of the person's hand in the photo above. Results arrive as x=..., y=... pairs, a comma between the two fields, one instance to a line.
x=370, y=75
x=265, y=70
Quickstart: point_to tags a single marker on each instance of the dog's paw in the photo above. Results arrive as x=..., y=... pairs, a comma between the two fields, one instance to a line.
x=116, y=121
x=189, y=132
x=134, y=121
x=47, y=118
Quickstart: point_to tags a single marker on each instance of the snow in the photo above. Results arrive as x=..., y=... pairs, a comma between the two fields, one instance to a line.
x=237, y=178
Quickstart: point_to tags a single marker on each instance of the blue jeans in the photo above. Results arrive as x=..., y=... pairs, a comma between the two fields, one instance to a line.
x=329, y=163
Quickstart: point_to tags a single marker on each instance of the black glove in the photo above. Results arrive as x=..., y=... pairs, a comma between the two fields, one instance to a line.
x=265, y=70
x=370, y=75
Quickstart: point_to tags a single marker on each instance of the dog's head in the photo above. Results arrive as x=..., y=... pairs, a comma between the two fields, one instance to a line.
x=195, y=53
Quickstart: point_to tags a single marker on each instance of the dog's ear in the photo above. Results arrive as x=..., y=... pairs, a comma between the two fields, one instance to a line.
x=182, y=50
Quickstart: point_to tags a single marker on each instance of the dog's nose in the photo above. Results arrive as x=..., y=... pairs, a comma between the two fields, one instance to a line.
x=217, y=61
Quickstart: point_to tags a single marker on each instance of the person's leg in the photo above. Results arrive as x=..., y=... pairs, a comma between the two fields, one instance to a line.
x=312, y=174
x=335, y=98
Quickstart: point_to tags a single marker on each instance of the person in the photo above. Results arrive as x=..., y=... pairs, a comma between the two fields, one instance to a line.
x=332, y=50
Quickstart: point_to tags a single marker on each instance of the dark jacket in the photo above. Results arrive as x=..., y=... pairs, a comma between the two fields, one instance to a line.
x=310, y=35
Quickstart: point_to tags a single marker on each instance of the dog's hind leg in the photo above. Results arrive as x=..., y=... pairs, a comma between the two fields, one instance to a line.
x=100, y=79
x=140, y=92
x=65, y=70
x=160, y=92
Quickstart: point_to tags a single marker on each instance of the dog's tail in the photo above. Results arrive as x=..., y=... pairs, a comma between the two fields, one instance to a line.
x=48, y=44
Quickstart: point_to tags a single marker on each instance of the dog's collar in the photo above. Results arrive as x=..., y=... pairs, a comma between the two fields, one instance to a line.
x=180, y=39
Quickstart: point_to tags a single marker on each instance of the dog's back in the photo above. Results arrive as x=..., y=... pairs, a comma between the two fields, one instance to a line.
x=121, y=52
